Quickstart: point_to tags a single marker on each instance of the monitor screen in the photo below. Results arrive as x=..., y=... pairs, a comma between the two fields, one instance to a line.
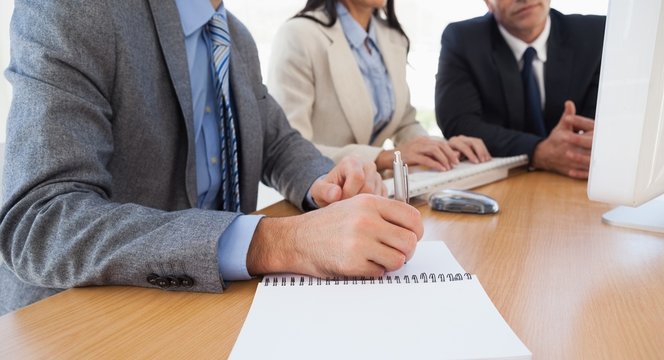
x=627, y=159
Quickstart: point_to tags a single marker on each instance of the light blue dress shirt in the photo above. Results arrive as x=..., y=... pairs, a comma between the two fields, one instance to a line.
x=370, y=61
x=234, y=242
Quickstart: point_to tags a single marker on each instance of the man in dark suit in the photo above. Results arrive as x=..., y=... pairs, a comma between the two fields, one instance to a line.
x=114, y=174
x=539, y=102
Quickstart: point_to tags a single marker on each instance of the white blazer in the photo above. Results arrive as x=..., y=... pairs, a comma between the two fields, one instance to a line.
x=315, y=78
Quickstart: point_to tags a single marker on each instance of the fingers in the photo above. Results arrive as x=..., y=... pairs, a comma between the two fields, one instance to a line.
x=434, y=154
x=584, y=141
x=578, y=174
x=578, y=158
x=582, y=123
x=480, y=149
x=429, y=152
x=402, y=240
x=402, y=215
x=387, y=258
x=472, y=148
x=373, y=183
x=451, y=155
x=464, y=146
x=325, y=193
x=427, y=161
x=567, y=118
x=570, y=108
x=352, y=176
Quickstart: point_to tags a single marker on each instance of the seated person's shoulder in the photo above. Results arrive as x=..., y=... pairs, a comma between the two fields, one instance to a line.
x=585, y=33
x=394, y=35
x=469, y=31
x=589, y=25
x=303, y=27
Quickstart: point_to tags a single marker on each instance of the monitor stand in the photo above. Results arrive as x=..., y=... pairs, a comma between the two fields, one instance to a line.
x=648, y=217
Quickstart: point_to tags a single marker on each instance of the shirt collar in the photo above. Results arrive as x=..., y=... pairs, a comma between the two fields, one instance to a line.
x=355, y=34
x=518, y=46
x=194, y=14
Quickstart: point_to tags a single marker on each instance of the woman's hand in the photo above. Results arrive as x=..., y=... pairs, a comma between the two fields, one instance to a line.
x=436, y=153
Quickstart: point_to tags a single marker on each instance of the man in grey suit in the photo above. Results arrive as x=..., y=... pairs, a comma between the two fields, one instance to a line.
x=108, y=179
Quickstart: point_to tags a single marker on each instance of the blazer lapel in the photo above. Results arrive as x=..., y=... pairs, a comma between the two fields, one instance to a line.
x=349, y=85
x=392, y=52
x=510, y=77
x=247, y=122
x=557, y=74
x=171, y=39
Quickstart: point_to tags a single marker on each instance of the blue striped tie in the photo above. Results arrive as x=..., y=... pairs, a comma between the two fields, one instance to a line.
x=221, y=49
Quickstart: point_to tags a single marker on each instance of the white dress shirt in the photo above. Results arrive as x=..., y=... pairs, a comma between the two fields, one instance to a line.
x=519, y=47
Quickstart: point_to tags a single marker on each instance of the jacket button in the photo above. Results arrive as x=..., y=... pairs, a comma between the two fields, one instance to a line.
x=186, y=281
x=173, y=281
x=163, y=282
x=152, y=279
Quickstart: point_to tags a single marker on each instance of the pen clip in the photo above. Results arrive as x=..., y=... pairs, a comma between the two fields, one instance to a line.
x=405, y=183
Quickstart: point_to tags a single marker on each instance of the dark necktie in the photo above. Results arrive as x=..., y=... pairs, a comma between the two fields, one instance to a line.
x=533, y=101
x=230, y=179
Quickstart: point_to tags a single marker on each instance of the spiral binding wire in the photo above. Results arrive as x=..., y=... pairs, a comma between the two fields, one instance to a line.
x=301, y=280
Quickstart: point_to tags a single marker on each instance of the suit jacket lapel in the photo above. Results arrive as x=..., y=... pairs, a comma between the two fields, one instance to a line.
x=557, y=73
x=171, y=39
x=393, y=56
x=246, y=115
x=349, y=85
x=512, y=87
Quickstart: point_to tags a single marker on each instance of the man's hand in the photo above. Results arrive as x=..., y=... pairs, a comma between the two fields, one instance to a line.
x=350, y=177
x=567, y=149
x=366, y=235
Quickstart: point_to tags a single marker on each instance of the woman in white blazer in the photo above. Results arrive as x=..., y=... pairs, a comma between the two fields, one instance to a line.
x=338, y=69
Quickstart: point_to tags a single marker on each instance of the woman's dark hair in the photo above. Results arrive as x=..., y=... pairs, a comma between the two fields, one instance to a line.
x=330, y=8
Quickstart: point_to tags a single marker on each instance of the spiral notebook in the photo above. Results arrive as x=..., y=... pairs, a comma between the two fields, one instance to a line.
x=429, y=309
x=464, y=176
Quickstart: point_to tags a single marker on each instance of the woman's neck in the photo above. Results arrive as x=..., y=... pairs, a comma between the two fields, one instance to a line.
x=361, y=14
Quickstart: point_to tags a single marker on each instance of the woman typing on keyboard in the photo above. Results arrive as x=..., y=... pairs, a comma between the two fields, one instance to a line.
x=338, y=69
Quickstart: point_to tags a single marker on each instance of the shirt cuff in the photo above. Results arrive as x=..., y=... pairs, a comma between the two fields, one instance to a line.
x=233, y=247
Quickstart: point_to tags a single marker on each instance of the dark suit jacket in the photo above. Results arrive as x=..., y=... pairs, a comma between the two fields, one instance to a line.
x=479, y=90
x=100, y=179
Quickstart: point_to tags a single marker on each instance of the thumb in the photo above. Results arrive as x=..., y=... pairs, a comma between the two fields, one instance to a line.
x=570, y=108
x=568, y=116
x=326, y=193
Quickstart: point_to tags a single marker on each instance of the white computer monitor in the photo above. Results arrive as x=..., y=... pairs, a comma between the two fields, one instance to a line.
x=627, y=161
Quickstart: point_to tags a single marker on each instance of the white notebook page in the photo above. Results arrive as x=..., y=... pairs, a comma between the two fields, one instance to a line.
x=432, y=320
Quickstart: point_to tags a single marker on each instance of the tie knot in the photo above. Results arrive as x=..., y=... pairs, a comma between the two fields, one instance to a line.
x=529, y=55
x=218, y=29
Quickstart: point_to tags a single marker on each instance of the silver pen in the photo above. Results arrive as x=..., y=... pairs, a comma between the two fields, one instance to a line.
x=400, y=178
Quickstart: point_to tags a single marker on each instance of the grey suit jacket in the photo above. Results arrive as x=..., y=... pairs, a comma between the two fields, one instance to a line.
x=99, y=182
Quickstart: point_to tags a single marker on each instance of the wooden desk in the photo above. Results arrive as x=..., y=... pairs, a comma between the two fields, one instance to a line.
x=570, y=287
